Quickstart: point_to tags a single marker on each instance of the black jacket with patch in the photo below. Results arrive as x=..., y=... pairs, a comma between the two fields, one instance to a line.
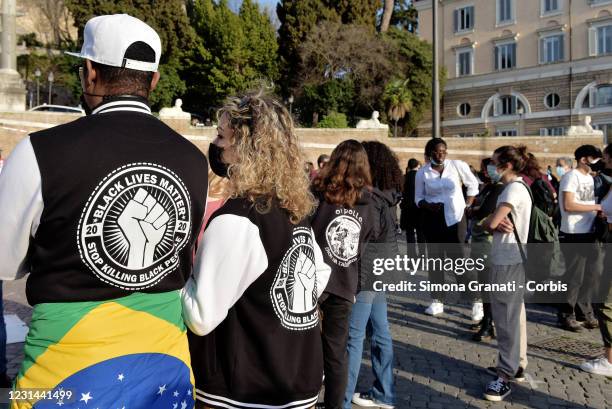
x=341, y=232
x=121, y=199
x=253, y=297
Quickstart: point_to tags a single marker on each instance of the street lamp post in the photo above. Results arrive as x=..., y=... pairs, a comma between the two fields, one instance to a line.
x=435, y=108
x=290, y=104
x=50, y=78
x=37, y=74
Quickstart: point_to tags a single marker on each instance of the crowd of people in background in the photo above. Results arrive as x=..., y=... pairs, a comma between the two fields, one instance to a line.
x=262, y=257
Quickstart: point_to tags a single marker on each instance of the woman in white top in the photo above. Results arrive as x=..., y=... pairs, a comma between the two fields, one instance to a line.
x=603, y=305
x=509, y=221
x=438, y=192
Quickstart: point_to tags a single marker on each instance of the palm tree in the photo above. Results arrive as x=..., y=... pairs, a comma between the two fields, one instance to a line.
x=398, y=98
x=386, y=17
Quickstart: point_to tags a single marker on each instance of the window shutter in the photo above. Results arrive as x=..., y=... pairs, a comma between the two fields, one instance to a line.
x=542, y=50
x=592, y=41
x=496, y=57
x=472, y=13
x=496, y=107
x=561, y=47
x=458, y=69
x=513, y=53
x=456, y=20
x=514, y=101
x=543, y=132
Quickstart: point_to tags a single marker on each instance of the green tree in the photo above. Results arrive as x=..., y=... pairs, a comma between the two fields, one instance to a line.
x=297, y=18
x=352, y=56
x=168, y=18
x=398, y=99
x=359, y=12
x=237, y=51
x=415, y=64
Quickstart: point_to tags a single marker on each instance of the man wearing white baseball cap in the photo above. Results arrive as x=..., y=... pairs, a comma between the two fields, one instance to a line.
x=106, y=236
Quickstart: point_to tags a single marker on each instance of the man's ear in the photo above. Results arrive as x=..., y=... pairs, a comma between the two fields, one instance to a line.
x=92, y=74
x=154, y=81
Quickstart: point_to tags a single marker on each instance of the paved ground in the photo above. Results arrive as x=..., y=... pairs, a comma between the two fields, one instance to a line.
x=439, y=367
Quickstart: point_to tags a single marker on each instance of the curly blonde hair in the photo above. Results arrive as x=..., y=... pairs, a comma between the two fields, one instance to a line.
x=270, y=162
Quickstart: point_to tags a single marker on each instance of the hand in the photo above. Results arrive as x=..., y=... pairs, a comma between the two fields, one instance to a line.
x=303, y=299
x=505, y=226
x=143, y=223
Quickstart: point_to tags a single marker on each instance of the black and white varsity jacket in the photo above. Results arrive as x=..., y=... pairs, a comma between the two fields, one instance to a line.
x=100, y=207
x=253, y=296
x=342, y=232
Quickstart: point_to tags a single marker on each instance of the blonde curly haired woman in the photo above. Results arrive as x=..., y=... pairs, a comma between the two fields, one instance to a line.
x=258, y=273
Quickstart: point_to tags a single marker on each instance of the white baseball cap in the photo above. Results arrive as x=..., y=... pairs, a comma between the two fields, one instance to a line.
x=107, y=38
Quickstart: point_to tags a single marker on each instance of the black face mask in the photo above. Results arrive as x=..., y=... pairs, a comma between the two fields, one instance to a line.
x=598, y=166
x=216, y=162
x=84, y=105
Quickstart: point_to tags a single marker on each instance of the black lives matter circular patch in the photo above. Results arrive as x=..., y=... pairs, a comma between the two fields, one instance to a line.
x=294, y=290
x=134, y=225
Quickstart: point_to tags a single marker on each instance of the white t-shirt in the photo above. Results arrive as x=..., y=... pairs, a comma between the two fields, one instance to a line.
x=505, y=250
x=606, y=206
x=583, y=187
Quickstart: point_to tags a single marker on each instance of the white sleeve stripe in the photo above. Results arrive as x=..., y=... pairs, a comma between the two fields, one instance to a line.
x=323, y=269
x=21, y=206
x=230, y=258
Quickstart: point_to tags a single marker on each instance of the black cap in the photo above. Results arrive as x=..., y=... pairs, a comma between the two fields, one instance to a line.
x=586, y=151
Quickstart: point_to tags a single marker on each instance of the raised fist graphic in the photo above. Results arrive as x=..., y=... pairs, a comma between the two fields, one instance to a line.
x=304, y=285
x=143, y=223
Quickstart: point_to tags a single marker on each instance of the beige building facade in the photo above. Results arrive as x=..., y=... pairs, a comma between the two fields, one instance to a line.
x=522, y=67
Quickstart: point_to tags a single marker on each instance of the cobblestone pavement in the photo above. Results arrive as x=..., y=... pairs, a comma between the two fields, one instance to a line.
x=439, y=367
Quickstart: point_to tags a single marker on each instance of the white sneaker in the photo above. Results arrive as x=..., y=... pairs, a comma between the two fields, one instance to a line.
x=366, y=401
x=477, y=311
x=599, y=366
x=435, y=308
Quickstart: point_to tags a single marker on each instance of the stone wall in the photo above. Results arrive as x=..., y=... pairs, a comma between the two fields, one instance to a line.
x=13, y=127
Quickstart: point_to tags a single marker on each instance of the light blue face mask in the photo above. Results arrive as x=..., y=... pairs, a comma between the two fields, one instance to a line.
x=560, y=171
x=493, y=174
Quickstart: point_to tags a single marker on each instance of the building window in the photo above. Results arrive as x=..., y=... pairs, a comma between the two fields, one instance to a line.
x=603, y=96
x=550, y=6
x=552, y=100
x=553, y=131
x=599, y=2
x=464, y=109
x=551, y=49
x=505, y=56
x=464, y=19
x=465, y=62
x=606, y=128
x=600, y=40
x=505, y=12
x=506, y=132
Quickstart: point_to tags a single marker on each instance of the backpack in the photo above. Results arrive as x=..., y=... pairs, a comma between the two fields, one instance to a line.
x=544, y=198
x=546, y=261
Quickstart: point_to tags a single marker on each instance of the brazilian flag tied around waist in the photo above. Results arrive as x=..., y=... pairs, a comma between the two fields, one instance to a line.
x=129, y=352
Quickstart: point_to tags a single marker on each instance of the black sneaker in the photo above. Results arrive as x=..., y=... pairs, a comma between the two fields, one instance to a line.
x=486, y=333
x=518, y=377
x=497, y=390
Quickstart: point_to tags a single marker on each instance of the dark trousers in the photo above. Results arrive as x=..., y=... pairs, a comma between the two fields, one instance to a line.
x=582, y=260
x=443, y=242
x=603, y=306
x=415, y=240
x=336, y=315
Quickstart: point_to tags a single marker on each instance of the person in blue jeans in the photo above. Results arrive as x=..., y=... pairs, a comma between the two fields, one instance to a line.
x=5, y=381
x=369, y=313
